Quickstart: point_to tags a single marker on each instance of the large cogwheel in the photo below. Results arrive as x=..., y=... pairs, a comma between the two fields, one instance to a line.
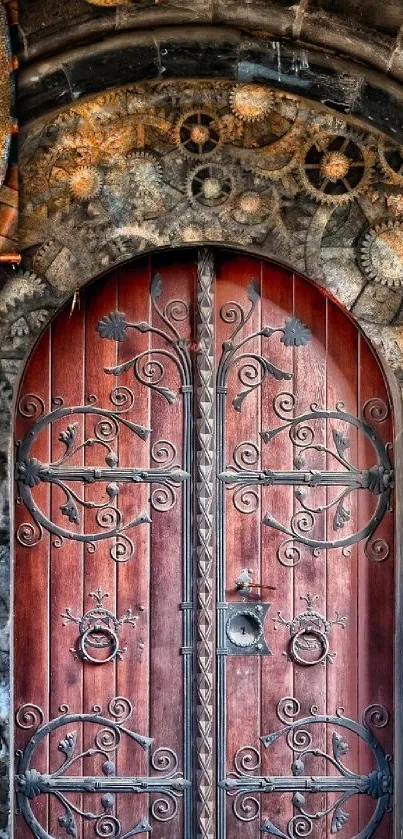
x=211, y=185
x=391, y=161
x=145, y=173
x=336, y=168
x=197, y=133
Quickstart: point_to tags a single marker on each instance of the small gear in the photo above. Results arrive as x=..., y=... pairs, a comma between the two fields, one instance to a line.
x=251, y=102
x=211, y=185
x=85, y=182
x=197, y=133
x=391, y=161
x=251, y=207
x=336, y=168
x=380, y=253
x=144, y=172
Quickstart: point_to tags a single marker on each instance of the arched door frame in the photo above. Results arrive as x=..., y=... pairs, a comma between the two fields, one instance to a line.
x=397, y=405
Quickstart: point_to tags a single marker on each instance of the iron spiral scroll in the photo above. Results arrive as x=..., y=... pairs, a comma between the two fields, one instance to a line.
x=245, y=784
x=165, y=786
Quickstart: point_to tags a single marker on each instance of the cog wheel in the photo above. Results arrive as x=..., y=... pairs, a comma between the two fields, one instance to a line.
x=252, y=207
x=144, y=172
x=336, y=168
x=211, y=185
x=197, y=133
x=251, y=102
x=391, y=161
x=380, y=253
x=85, y=182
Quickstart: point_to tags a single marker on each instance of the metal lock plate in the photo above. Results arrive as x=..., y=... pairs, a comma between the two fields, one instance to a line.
x=244, y=629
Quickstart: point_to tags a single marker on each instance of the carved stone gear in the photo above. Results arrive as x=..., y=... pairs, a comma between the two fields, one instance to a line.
x=391, y=161
x=197, y=133
x=211, y=185
x=335, y=168
x=251, y=102
x=144, y=171
x=380, y=253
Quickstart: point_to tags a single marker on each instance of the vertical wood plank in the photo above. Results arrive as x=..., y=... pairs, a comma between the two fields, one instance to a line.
x=375, y=581
x=133, y=577
x=277, y=671
x=99, y=567
x=66, y=557
x=242, y=543
x=31, y=575
x=342, y=387
x=310, y=572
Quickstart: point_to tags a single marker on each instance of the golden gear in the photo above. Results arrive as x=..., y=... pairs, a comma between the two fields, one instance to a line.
x=391, y=160
x=335, y=168
x=251, y=207
x=197, y=133
x=85, y=182
x=211, y=185
x=251, y=102
x=380, y=253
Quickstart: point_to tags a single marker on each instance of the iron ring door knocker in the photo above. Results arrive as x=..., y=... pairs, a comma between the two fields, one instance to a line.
x=99, y=630
x=301, y=641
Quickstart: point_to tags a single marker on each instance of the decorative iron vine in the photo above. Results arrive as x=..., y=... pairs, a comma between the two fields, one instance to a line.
x=99, y=631
x=377, y=480
x=244, y=785
x=309, y=631
x=149, y=370
x=167, y=783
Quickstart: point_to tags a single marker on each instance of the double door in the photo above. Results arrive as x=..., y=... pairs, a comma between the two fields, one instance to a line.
x=204, y=562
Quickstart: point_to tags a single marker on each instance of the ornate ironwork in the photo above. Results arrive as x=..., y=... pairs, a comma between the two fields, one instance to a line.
x=99, y=631
x=245, y=629
x=377, y=480
x=252, y=370
x=167, y=783
x=305, y=780
x=309, y=631
x=205, y=477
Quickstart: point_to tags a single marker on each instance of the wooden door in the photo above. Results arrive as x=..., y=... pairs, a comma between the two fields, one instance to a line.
x=204, y=562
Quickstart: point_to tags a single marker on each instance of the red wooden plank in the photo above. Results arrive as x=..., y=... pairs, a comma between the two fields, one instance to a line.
x=277, y=671
x=133, y=583
x=166, y=572
x=31, y=575
x=342, y=383
x=375, y=582
x=234, y=274
x=310, y=572
x=99, y=567
x=66, y=558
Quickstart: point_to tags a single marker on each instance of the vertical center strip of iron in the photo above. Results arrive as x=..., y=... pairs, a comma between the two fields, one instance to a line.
x=205, y=477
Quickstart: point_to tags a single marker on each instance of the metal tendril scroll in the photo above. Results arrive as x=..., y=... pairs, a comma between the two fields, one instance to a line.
x=309, y=631
x=98, y=641
x=109, y=520
x=253, y=368
x=166, y=782
x=245, y=481
x=244, y=783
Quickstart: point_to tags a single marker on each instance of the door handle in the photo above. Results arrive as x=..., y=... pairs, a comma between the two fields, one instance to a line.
x=244, y=582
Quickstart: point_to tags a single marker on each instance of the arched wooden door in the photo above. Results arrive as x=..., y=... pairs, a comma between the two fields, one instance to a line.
x=204, y=562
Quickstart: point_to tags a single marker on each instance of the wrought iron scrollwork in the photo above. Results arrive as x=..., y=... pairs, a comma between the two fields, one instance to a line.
x=309, y=631
x=377, y=480
x=244, y=783
x=99, y=631
x=149, y=370
x=253, y=368
x=167, y=783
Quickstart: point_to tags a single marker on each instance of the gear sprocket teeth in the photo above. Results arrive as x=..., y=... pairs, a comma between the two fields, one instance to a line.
x=251, y=102
x=197, y=133
x=380, y=253
x=337, y=163
x=211, y=185
x=390, y=161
